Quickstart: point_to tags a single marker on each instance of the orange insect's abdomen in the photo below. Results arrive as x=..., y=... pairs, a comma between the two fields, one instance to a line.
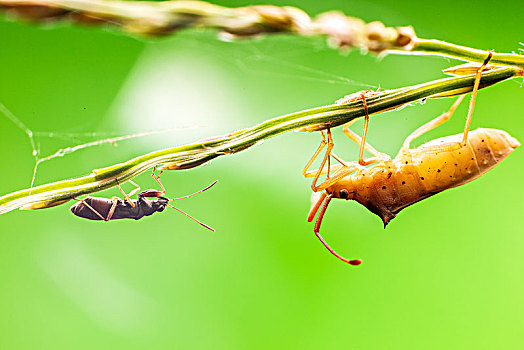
x=413, y=175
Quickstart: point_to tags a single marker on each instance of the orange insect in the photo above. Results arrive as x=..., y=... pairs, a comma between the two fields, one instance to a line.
x=391, y=185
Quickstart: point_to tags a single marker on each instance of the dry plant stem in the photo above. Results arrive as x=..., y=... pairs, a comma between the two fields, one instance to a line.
x=198, y=153
x=153, y=19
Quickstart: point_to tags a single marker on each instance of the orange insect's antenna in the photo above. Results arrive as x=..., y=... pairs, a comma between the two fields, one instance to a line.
x=314, y=208
x=317, y=229
x=192, y=218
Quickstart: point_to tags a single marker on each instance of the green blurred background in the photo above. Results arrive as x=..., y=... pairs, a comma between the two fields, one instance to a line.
x=447, y=272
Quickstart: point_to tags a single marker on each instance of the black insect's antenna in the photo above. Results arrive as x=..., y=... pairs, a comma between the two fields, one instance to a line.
x=317, y=229
x=191, y=195
x=192, y=218
x=197, y=192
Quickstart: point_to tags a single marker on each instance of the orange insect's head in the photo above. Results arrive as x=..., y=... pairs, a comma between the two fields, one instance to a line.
x=342, y=189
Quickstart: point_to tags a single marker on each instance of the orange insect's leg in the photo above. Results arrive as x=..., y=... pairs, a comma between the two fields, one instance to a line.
x=362, y=140
x=441, y=119
x=344, y=170
x=316, y=173
x=341, y=173
x=320, y=170
x=324, y=171
x=358, y=140
x=92, y=209
x=330, y=168
x=474, y=97
x=305, y=171
x=365, y=132
x=379, y=156
x=326, y=156
x=341, y=170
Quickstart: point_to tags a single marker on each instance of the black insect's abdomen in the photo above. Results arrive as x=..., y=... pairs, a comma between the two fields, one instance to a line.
x=101, y=205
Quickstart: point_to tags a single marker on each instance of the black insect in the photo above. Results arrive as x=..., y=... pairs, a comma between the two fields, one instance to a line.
x=116, y=208
x=97, y=208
